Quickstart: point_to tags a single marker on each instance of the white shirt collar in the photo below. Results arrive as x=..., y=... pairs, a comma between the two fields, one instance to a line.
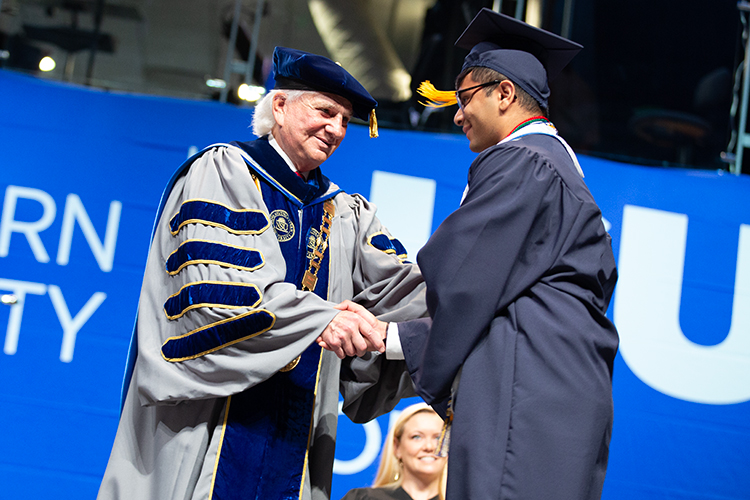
x=275, y=145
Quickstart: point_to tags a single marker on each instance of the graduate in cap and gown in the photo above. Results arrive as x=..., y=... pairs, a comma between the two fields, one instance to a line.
x=227, y=393
x=517, y=353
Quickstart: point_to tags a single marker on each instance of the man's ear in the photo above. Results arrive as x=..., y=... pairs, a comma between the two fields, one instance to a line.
x=278, y=107
x=506, y=94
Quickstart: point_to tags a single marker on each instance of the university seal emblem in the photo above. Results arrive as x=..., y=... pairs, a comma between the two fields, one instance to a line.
x=282, y=225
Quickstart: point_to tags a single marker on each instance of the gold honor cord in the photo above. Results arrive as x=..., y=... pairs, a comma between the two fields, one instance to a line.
x=310, y=279
x=444, y=441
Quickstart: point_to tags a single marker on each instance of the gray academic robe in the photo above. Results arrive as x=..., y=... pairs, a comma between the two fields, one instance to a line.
x=171, y=425
x=518, y=283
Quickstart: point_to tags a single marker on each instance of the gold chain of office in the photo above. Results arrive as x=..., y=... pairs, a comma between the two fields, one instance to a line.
x=310, y=279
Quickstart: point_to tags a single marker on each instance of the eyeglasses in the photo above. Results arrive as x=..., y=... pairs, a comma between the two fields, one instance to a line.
x=464, y=101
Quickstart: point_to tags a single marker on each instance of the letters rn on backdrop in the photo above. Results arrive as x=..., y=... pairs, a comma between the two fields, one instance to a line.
x=20, y=218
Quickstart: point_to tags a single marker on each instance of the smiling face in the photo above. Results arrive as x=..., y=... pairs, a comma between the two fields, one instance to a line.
x=417, y=447
x=310, y=127
x=479, y=117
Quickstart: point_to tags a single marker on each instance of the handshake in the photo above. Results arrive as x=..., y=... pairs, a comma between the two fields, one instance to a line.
x=353, y=332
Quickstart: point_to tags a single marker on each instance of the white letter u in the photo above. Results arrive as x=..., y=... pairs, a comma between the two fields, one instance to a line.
x=647, y=309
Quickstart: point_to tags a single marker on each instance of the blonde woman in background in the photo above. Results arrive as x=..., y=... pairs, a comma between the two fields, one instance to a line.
x=409, y=468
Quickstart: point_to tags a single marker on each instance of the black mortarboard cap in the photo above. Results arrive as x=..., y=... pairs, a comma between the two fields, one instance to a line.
x=296, y=69
x=503, y=43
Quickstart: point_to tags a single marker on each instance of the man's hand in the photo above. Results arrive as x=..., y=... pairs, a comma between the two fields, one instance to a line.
x=353, y=331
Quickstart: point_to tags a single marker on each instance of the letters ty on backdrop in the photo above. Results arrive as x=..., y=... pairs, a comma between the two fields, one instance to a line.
x=80, y=178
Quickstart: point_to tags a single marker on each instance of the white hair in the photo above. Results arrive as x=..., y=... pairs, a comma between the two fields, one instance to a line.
x=263, y=119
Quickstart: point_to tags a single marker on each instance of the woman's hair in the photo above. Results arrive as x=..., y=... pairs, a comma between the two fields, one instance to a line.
x=389, y=471
x=263, y=120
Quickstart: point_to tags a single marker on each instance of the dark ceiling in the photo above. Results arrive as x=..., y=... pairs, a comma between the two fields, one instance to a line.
x=653, y=85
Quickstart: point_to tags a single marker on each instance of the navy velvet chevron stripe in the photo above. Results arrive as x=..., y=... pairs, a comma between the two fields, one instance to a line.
x=400, y=249
x=217, y=335
x=215, y=214
x=211, y=294
x=388, y=245
x=209, y=252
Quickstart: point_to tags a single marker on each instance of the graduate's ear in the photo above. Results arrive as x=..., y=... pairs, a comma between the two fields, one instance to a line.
x=506, y=94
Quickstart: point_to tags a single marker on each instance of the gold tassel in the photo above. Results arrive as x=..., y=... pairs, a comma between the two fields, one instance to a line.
x=373, y=124
x=436, y=98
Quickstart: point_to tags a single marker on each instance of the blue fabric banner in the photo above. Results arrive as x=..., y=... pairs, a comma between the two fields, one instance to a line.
x=80, y=179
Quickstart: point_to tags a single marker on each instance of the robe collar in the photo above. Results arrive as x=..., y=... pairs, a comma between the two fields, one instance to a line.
x=544, y=128
x=277, y=168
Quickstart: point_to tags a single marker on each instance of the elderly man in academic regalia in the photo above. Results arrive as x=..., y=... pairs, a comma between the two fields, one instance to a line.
x=227, y=395
x=519, y=279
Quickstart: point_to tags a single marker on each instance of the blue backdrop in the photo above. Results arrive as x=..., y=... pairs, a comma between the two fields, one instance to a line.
x=81, y=173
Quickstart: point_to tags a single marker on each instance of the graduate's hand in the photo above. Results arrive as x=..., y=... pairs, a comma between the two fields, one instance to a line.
x=372, y=331
x=348, y=334
x=380, y=327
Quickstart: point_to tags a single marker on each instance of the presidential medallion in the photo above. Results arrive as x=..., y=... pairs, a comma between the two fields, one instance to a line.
x=313, y=240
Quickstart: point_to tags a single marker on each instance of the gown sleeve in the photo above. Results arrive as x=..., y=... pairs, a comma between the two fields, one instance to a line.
x=385, y=282
x=393, y=289
x=215, y=315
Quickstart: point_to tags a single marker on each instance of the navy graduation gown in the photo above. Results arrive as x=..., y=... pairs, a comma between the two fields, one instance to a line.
x=518, y=283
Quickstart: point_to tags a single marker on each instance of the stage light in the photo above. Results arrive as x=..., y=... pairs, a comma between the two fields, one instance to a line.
x=9, y=299
x=47, y=64
x=216, y=83
x=250, y=93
